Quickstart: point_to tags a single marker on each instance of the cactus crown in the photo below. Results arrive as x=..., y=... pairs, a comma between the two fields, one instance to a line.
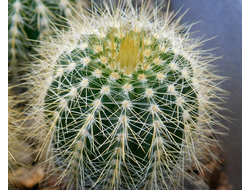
x=125, y=98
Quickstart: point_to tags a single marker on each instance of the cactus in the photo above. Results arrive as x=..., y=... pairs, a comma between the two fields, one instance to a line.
x=125, y=99
x=31, y=20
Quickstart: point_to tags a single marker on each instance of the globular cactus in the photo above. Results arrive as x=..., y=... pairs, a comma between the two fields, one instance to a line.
x=31, y=20
x=127, y=100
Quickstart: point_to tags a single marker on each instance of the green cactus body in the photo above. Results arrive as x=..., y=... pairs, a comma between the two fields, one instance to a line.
x=125, y=100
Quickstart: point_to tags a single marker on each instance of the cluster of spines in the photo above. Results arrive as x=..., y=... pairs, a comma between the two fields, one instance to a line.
x=97, y=106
